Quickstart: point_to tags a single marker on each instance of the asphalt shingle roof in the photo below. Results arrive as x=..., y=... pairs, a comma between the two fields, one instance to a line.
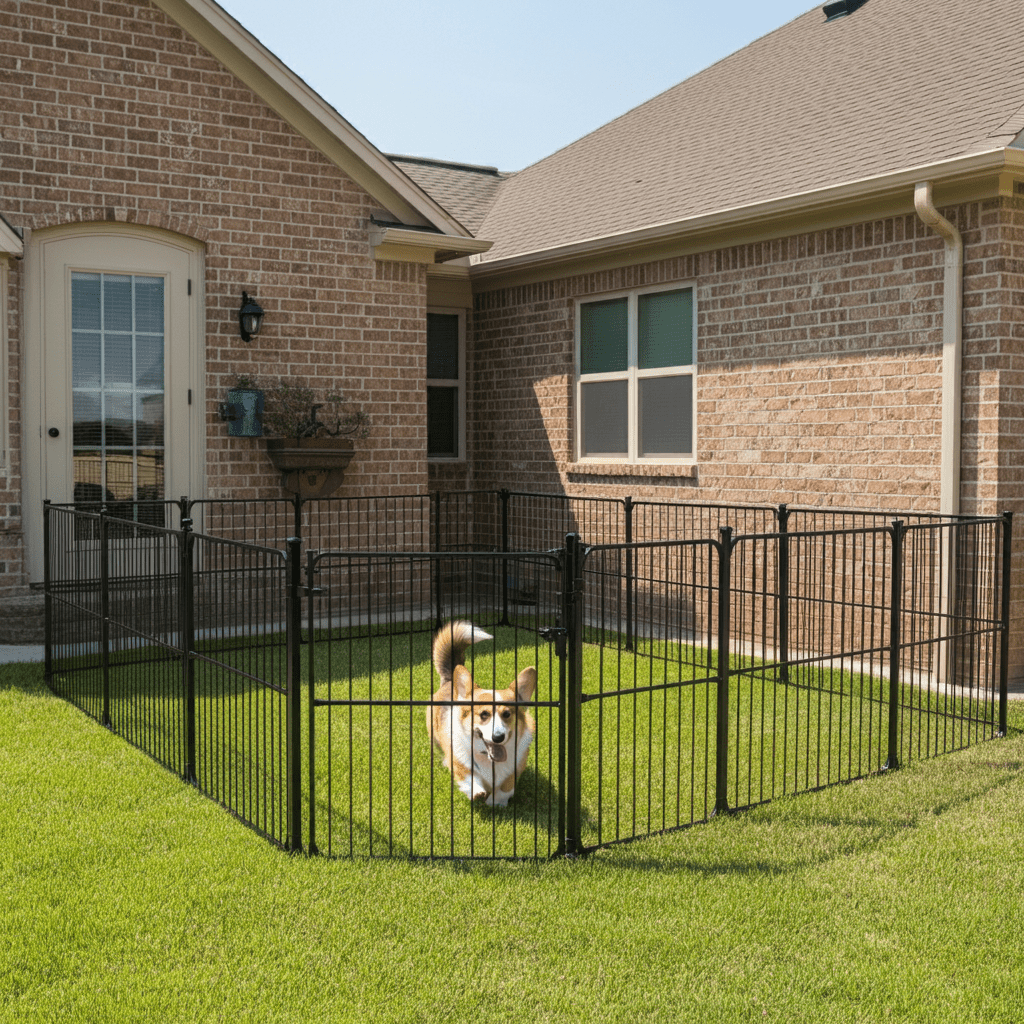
x=466, y=191
x=897, y=84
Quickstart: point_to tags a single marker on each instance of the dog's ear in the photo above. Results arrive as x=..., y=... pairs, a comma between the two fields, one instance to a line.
x=526, y=683
x=462, y=682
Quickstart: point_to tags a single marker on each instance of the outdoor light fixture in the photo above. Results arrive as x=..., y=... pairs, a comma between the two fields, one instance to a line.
x=250, y=318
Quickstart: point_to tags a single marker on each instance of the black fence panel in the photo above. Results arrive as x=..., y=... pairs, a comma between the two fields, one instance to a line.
x=377, y=787
x=752, y=652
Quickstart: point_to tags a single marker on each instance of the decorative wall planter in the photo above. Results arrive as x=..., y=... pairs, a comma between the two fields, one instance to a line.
x=244, y=412
x=311, y=467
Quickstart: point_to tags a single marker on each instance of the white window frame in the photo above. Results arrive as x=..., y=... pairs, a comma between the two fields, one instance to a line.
x=632, y=374
x=459, y=387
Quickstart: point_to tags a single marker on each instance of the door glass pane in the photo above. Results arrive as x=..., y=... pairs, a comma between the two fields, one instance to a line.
x=666, y=415
x=117, y=383
x=442, y=346
x=442, y=422
x=605, y=423
x=665, y=329
x=604, y=336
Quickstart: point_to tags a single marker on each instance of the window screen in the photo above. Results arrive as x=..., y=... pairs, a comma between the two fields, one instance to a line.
x=666, y=415
x=605, y=417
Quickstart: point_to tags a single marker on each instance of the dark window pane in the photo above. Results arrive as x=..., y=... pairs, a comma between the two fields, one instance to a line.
x=665, y=329
x=605, y=424
x=603, y=336
x=149, y=304
x=442, y=422
x=85, y=302
x=666, y=415
x=442, y=346
x=117, y=302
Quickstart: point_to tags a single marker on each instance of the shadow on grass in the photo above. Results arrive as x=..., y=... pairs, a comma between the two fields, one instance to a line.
x=803, y=830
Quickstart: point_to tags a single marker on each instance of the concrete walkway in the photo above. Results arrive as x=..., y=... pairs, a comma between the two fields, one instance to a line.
x=20, y=652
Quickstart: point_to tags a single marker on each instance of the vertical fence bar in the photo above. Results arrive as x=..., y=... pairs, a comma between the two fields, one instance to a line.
x=105, y=615
x=47, y=597
x=722, y=698
x=572, y=616
x=435, y=500
x=1004, y=620
x=293, y=699
x=897, y=532
x=186, y=602
x=627, y=509
x=504, y=496
x=782, y=570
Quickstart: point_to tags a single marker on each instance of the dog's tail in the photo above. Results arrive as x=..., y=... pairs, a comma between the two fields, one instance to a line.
x=450, y=643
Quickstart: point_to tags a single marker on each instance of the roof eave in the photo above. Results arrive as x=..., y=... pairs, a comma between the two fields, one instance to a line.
x=306, y=111
x=410, y=244
x=876, y=188
x=10, y=241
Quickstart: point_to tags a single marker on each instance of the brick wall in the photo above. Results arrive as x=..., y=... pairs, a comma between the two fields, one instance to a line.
x=819, y=373
x=110, y=112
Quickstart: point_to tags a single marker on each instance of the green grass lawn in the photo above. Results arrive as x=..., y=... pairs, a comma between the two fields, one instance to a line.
x=127, y=896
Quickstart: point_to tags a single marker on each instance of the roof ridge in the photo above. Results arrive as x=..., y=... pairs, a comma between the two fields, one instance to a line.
x=454, y=165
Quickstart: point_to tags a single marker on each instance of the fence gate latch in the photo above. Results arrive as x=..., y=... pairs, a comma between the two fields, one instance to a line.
x=558, y=635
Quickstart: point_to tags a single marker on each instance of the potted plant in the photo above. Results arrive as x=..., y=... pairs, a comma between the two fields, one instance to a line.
x=309, y=434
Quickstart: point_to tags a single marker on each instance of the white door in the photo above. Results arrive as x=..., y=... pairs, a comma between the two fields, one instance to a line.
x=117, y=375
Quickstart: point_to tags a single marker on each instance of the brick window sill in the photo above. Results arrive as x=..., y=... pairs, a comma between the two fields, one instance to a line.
x=642, y=470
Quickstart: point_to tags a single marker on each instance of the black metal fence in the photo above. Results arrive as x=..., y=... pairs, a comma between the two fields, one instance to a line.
x=690, y=659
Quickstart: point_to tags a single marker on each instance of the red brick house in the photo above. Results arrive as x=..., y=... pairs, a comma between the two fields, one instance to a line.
x=797, y=276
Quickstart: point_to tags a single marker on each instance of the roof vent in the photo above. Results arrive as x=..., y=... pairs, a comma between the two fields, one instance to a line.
x=840, y=8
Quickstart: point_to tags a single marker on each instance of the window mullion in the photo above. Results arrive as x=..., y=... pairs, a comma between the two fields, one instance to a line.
x=632, y=361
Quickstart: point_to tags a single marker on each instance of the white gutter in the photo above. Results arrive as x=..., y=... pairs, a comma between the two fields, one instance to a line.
x=952, y=346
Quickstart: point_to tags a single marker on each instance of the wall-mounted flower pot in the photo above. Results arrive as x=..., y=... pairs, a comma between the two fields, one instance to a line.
x=311, y=467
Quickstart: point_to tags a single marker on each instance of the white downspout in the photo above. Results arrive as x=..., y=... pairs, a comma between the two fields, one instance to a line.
x=952, y=347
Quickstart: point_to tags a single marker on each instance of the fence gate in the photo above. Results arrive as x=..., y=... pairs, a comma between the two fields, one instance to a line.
x=647, y=688
x=376, y=785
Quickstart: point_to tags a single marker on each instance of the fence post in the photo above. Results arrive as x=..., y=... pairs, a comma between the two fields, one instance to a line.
x=47, y=597
x=435, y=502
x=293, y=694
x=722, y=696
x=782, y=569
x=187, y=612
x=105, y=614
x=898, y=530
x=311, y=846
x=627, y=508
x=1004, y=615
x=572, y=616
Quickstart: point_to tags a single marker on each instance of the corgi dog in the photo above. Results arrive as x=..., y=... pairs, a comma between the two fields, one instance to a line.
x=485, y=743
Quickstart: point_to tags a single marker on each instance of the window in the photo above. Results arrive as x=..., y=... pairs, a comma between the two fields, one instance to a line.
x=446, y=371
x=117, y=387
x=635, y=377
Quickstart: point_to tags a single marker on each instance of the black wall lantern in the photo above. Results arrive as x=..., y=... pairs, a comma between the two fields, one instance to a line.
x=250, y=318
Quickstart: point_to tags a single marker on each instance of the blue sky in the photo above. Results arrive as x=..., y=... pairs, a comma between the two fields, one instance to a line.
x=502, y=84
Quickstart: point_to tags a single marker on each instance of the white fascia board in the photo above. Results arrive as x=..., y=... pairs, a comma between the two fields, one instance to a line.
x=386, y=234
x=866, y=189
x=306, y=111
x=10, y=243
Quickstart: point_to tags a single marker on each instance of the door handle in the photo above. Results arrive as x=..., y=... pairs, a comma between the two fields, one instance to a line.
x=53, y=432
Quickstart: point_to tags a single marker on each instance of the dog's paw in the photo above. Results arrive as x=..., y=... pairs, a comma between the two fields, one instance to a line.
x=499, y=799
